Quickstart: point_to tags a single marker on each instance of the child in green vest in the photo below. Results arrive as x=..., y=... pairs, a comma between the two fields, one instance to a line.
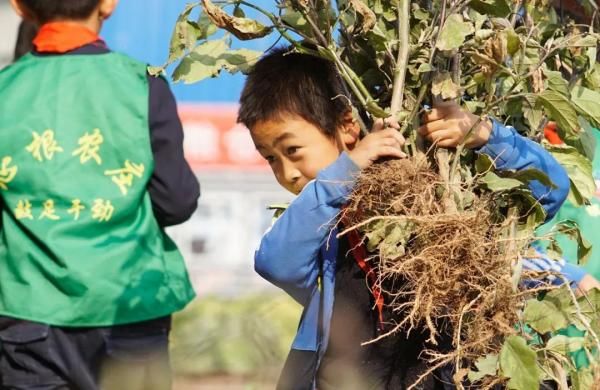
x=91, y=172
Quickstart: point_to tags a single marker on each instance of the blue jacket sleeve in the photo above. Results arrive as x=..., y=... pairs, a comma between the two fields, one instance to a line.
x=288, y=253
x=510, y=150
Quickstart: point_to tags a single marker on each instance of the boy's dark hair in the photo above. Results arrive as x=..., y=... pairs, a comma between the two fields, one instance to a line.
x=24, y=44
x=286, y=82
x=46, y=10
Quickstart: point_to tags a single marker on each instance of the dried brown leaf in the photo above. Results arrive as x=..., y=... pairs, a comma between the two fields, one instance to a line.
x=242, y=28
x=368, y=16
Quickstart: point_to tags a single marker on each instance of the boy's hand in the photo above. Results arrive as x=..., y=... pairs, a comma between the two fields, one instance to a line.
x=575, y=275
x=447, y=124
x=383, y=141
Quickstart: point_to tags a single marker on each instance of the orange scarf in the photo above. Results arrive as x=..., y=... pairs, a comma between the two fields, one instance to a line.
x=61, y=37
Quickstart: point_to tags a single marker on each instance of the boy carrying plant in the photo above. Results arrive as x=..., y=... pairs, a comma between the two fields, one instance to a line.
x=301, y=122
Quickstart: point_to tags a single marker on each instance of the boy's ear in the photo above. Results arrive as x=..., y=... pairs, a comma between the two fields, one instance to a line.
x=20, y=9
x=106, y=8
x=349, y=130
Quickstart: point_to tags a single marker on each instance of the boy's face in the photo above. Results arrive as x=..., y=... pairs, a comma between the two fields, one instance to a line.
x=295, y=149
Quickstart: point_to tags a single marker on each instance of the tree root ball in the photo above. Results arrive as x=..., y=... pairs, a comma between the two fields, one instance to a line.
x=436, y=267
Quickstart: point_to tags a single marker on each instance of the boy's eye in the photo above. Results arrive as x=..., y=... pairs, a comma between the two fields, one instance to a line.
x=291, y=150
x=270, y=159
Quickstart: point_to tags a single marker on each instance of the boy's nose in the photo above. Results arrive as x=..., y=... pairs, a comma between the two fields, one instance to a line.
x=290, y=173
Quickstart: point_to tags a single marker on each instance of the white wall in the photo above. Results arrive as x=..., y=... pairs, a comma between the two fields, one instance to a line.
x=9, y=22
x=219, y=241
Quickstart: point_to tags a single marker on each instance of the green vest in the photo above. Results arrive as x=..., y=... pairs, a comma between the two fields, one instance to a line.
x=79, y=243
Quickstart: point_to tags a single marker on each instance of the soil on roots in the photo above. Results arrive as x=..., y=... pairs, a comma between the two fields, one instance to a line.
x=436, y=267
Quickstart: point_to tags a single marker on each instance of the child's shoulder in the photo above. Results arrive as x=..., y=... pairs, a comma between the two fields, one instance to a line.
x=81, y=60
x=123, y=61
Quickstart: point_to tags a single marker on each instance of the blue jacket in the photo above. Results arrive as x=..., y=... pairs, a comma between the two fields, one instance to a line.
x=302, y=242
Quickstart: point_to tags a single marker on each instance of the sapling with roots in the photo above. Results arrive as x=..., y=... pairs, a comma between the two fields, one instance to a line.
x=445, y=231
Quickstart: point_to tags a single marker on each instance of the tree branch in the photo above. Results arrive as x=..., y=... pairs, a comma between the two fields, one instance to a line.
x=402, y=60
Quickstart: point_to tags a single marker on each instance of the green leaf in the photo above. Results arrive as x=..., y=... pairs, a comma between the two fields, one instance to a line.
x=477, y=18
x=443, y=86
x=396, y=236
x=201, y=63
x=585, y=142
x=548, y=315
x=209, y=58
x=181, y=37
x=377, y=39
x=583, y=40
x=423, y=68
x=296, y=20
x=474, y=106
x=571, y=229
x=492, y=7
x=565, y=345
x=484, y=33
x=454, y=32
x=484, y=163
x=532, y=113
x=589, y=304
x=587, y=102
x=496, y=183
x=593, y=78
x=240, y=60
x=205, y=26
x=560, y=109
x=583, y=379
x=519, y=363
x=513, y=41
x=487, y=365
x=420, y=14
x=375, y=233
x=556, y=82
x=527, y=175
x=579, y=170
x=526, y=57
x=530, y=206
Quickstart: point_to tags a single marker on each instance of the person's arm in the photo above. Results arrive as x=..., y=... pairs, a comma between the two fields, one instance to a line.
x=448, y=124
x=587, y=283
x=288, y=252
x=558, y=272
x=173, y=188
x=509, y=150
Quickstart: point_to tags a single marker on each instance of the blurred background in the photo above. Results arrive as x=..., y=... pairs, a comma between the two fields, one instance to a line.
x=236, y=334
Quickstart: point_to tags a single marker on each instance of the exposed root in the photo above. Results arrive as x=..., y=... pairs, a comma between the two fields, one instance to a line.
x=447, y=272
